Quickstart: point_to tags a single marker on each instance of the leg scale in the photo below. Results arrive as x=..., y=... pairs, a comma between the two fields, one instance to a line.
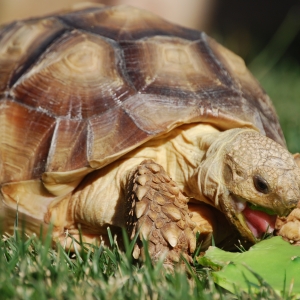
x=159, y=211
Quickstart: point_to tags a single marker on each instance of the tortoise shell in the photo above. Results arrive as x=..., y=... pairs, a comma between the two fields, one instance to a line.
x=80, y=89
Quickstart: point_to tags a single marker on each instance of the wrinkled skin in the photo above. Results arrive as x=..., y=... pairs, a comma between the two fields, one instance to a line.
x=254, y=169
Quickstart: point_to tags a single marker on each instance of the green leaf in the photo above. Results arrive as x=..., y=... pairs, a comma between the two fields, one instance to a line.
x=274, y=260
x=260, y=208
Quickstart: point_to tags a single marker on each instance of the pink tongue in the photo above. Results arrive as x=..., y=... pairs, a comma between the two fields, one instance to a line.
x=259, y=222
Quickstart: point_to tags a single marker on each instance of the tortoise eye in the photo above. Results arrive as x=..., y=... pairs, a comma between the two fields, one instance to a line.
x=261, y=184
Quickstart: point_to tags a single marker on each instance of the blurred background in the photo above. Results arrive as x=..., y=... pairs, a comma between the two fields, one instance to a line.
x=265, y=33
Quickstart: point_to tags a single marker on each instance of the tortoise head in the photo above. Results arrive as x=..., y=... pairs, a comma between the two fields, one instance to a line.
x=257, y=179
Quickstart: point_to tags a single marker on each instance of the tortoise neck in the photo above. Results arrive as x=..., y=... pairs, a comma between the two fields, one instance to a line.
x=209, y=175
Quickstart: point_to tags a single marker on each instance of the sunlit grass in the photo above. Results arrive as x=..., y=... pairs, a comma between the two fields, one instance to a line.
x=31, y=269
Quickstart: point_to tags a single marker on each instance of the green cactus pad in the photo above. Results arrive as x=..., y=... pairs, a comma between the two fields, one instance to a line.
x=274, y=261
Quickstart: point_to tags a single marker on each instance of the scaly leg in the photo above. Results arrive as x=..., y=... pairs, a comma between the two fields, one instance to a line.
x=159, y=210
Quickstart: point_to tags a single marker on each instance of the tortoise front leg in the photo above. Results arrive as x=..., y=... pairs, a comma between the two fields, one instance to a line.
x=289, y=227
x=159, y=210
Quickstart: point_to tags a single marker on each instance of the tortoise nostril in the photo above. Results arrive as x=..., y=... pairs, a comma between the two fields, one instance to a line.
x=292, y=203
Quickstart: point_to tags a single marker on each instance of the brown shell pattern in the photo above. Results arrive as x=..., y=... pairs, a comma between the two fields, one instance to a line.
x=84, y=87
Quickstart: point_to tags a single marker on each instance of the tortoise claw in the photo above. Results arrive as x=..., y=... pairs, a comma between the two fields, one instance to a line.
x=159, y=211
x=289, y=227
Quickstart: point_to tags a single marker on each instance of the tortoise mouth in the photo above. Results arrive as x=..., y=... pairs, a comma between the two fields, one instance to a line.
x=255, y=220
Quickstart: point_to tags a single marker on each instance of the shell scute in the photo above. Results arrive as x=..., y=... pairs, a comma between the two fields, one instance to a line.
x=68, y=148
x=25, y=138
x=21, y=44
x=111, y=136
x=115, y=23
x=258, y=104
x=168, y=65
x=77, y=77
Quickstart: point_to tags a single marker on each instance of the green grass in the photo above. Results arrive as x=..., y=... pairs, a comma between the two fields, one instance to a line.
x=31, y=269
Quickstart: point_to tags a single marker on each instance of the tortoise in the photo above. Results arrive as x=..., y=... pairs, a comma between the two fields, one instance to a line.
x=114, y=117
